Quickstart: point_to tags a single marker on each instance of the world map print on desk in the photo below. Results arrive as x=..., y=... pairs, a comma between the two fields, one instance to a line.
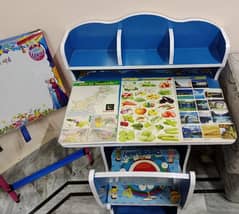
x=30, y=85
x=91, y=114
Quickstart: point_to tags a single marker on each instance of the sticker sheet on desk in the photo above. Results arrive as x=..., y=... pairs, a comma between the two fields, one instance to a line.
x=91, y=114
x=148, y=111
x=173, y=110
x=30, y=85
x=203, y=111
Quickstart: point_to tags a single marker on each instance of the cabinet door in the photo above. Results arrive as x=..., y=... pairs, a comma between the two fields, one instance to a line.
x=141, y=188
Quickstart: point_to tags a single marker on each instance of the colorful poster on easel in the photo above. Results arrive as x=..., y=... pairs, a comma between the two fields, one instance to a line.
x=30, y=85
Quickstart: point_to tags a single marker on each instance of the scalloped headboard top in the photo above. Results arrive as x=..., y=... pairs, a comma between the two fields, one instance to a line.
x=145, y=41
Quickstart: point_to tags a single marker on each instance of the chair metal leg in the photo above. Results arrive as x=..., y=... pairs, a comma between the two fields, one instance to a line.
x=8, y=189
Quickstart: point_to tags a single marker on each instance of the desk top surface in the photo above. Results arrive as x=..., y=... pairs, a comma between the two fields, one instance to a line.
x=147, y=111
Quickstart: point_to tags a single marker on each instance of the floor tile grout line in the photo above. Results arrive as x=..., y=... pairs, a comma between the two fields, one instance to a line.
x=202, y=179
x=57, y=191
x=73, y=194
x=202, y=191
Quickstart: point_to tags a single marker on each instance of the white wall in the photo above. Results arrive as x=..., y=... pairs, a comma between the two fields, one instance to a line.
x=56, y=16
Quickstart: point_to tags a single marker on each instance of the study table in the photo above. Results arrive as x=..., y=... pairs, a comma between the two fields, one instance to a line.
x=144, y=98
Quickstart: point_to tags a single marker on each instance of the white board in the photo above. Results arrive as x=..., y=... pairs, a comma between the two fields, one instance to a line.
x=30, y=86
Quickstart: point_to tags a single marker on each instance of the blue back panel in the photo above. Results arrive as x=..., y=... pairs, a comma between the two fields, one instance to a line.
x=141, y=32
x=117, y=75
x=93, y=36
x=193, y=34
x=88, y=39
x=218, y=47
x=197, y=42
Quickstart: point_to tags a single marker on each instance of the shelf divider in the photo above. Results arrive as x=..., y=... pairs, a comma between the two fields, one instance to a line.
x=119, y=47
x=171, y=46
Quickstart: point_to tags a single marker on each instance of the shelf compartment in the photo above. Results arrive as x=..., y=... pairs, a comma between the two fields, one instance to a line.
x=198, y=42
x=92, y=44
x=145, y=41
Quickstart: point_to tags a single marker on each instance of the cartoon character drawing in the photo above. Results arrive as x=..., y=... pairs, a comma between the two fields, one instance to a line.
x=59, y=98
x=174, y=196
x=128, y=193
x=114, y=192
x=56, y=104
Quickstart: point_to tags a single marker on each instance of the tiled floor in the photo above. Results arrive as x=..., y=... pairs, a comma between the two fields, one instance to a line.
x=200, y=204
x=36, y=192
x=82, y=205
x=76, y=197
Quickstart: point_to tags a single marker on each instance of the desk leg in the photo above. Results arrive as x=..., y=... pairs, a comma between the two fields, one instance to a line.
x=102, y=151
x=186, y=158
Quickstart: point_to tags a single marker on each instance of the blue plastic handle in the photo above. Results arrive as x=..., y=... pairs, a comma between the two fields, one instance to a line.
x=25, y=133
